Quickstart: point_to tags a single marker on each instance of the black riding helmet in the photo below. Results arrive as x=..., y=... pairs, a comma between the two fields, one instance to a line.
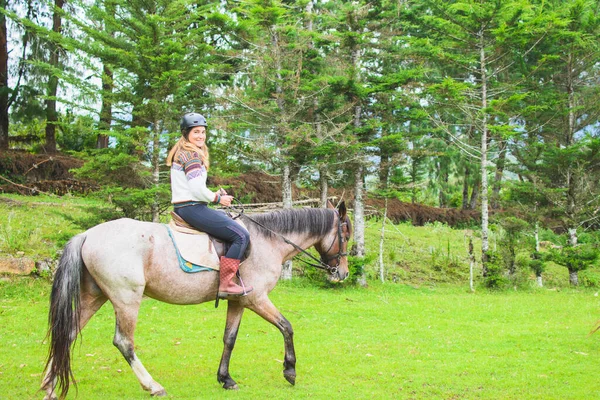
x=191, y=120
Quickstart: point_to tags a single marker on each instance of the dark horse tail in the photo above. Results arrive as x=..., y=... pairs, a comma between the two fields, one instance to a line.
x=63, y=317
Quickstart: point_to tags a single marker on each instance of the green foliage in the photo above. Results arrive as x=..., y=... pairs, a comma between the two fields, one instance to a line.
x=510, y=240
x=110, y=167
x=576, y=258
x=496, y=272
x=589, y=278
x=76, y=133
x=537, y=263
x=357, y=266
x=28, y=134
x=139, y=203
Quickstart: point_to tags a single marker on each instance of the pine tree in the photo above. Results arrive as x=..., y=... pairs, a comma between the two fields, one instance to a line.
x=475, y=47
x=54, y=63
x=563, y=113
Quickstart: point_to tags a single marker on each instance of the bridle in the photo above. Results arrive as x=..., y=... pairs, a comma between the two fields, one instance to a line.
x=340, y=239
x=321, y=263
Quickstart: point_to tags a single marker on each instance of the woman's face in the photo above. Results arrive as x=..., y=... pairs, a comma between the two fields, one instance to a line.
x=197, y=136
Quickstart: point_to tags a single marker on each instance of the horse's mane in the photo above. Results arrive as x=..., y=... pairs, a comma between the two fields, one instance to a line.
x=312, y=221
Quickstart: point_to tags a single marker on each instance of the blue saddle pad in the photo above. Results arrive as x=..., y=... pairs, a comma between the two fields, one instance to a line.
x=185, y=265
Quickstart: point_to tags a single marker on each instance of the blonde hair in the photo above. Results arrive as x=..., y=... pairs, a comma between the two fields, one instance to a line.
x=185, y=145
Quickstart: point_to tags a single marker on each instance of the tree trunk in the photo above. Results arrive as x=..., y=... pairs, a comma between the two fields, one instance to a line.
x=381, y=241
x=537, y=236
x=571, y=173
x=4, y=90
x=324, y=186
x=573, y=278
x=537, y=249
x=105, y=121
x=51, y=114
x=384, y=170
x=286, y=272
x=572, y=237
x=485, y=245
x=471, y=264
x=474, y=197
x=359, y=220
x=413, y=192
x=495, y=203
x=156, y=169
x=443, y=184
x=465, y=193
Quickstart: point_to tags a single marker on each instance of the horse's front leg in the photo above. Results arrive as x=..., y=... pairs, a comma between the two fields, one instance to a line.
x=267, y=310
x=234, y=316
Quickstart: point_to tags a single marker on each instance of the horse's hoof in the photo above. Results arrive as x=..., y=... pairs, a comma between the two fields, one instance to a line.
x=51, y=396
x=228, y=383
x=159, y=393
x=290, y=377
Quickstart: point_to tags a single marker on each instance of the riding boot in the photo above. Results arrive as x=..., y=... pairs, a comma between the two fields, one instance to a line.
x=228, y=288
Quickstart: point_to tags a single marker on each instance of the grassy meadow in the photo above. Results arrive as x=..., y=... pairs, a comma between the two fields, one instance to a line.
x=387, y=341
x=420, y=335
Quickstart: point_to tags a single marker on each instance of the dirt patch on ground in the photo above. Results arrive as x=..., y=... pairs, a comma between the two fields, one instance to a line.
x=37, y=167
x=31, y=173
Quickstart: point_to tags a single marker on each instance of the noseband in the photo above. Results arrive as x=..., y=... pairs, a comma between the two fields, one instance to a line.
x=338, y=256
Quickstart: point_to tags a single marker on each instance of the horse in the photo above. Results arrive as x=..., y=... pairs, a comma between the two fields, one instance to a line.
x=123, y=260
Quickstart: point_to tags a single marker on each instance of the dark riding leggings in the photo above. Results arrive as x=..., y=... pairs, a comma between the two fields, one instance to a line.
x=218, y=224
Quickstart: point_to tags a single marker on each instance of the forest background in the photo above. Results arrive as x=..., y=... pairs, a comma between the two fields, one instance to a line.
x=489, y=107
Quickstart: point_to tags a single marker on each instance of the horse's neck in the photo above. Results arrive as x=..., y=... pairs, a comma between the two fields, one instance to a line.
x=300, y=240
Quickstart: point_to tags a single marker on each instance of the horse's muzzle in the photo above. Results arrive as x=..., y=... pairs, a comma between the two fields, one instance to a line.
x=339, y=276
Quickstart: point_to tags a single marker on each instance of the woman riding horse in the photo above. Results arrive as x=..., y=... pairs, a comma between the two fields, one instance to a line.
x=189, y=162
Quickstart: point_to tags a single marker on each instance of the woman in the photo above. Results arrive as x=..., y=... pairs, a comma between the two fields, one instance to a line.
x=189, y=164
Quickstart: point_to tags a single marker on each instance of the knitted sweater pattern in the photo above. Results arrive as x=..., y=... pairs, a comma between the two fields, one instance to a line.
x=188, y=179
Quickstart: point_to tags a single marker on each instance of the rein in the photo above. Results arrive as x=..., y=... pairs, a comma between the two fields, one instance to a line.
x=320, y=263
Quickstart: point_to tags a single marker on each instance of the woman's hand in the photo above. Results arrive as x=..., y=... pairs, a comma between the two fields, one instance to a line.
x=222, y=192
x=226, y=200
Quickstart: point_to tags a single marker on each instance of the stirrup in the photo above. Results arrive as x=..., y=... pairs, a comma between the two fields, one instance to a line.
x=227, y=296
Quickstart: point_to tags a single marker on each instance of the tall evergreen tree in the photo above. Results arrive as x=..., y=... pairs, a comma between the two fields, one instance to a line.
x=4, y=88
x=473, y=44
x=50, y=103
x=563, y=111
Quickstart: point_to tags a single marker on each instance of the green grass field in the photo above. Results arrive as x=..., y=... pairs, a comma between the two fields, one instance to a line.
x=387, y=341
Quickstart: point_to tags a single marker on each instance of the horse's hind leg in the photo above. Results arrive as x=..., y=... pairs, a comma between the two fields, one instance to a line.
x=234, y=316
x=269, y=312
x=91, y=300
x=126, y=311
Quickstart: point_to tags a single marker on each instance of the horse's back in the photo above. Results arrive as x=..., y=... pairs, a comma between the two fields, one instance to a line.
x=120, y=250
x=129, y=254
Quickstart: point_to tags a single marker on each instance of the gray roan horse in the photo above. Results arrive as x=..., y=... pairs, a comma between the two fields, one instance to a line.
x=123, y=260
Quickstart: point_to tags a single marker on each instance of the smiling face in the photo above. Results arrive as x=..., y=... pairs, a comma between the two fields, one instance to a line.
x=197, y=136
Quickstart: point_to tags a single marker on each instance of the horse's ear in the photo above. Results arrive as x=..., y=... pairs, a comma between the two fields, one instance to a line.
x=330, y=205
x=342, y=209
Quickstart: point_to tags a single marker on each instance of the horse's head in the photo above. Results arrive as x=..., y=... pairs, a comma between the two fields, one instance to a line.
x=333, y=248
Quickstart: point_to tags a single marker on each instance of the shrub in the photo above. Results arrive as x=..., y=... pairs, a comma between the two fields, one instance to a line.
x=109, y=167
x=495, y=277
